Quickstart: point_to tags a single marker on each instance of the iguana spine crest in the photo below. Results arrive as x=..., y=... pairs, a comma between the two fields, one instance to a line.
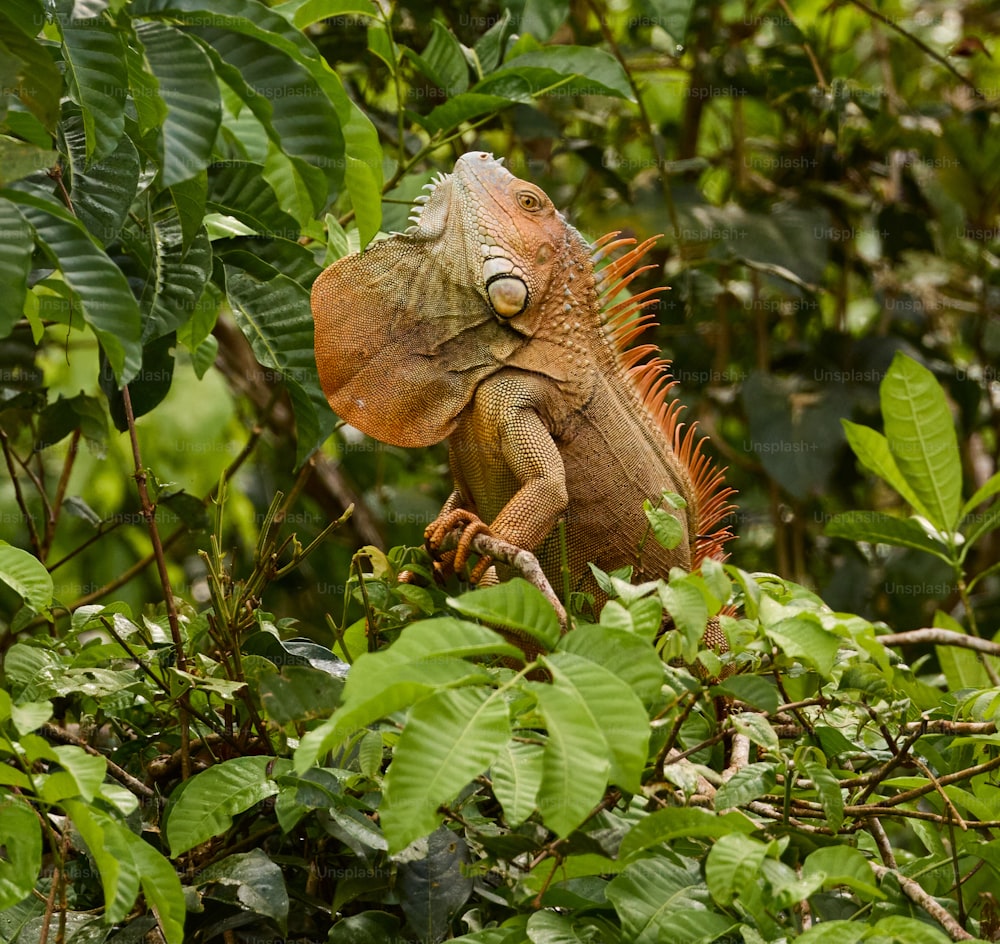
x=652, y=382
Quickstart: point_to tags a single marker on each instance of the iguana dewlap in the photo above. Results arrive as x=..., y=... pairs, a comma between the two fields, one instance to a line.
x=486, y=323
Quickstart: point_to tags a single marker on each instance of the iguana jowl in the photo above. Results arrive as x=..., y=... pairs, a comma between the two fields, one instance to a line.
x=486, y=323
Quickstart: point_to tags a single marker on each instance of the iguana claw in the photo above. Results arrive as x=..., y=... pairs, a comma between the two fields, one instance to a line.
x=457, y=560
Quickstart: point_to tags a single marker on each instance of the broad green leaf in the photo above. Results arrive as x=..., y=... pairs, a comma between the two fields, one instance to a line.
x=614, y=708
x=517, y=778
x=659, y=901
x=442, y=61
x=15, y=263
x=642, y=617
x=834, y=932
x=257, y=882
x=81, y=774
x=102, y=191
x=312, y=11
x=876, y=527
x=189, y=88
x=276, y=319
x=672, y=16
x=464, y=107
x=830, y=796
x=903, y=930
x=745, y=785
x=873, y=452
x=208, y=802
x=238, y=189
x=756, y=727
x=449, y=739
x=22, y=858
x=95, y=70
x=33, y=74
x=575, y=765
x=986, y=491
x=390, y=697
x=963, y=668
x=577, y=69
x=158, y=878
x=120, y=883
x=26, y=576
x=514, y=604
x=801, y=637
x=491, y=46
x=921, y=435
x=733, y=866
x=751, y=689
x=675, y=822
x=632, y=658
x=99, y=286
x=685, y=602
x=664, y=524
x=842, y=865
x=29, y=716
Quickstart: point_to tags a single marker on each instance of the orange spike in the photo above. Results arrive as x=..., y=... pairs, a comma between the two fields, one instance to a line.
x=624, y=321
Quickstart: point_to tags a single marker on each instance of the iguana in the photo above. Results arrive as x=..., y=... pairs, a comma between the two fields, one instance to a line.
x=489, y=323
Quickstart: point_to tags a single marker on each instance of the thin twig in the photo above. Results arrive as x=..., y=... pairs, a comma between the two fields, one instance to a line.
x=940, y=637
x=916, y=894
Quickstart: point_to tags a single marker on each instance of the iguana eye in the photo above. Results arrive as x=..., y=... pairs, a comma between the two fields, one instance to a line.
x=528, y=201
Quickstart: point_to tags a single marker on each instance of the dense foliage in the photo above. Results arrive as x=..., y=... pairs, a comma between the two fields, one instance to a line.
x=184, y=751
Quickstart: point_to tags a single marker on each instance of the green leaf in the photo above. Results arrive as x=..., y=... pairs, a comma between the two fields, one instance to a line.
x=575, y=765
x=830, y=796
x=986, y=491
x=442, y=61
x=34, y=76
x=921, y=435
x=257, y=882
x=676, y=822
x=672, y=16
x=491, y=46
x=15, y=263
x=751, y=689
x=614, y=708
x=515, y=605
x=579, y=70
x=665, y=525
x=189, y=88
x=208, y=801
x=660, y=901
x=517, y=778
x=98, y=80
x=98, y=285
x=876, y=527
x=102, y=191
x=275, y=317
x=632, y=658
x=462, y=108
x=312, y=11
x=238, y=189
x=745, y=785
x=733, y=866
x=801, y=637
x=683, y=599
x=449, y=739
x=902, y=930
x=873, y=452
x=160, y=883
x=834, y=932
x=22, y=858
x=757, y=728
x=842, y=865
x=29, y=716
x=82, y=774
x=26, y=576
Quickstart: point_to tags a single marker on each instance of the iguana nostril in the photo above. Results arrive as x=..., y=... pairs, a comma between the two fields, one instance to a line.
x=508, y=296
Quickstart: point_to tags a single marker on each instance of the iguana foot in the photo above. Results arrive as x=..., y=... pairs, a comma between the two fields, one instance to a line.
x=457, y=560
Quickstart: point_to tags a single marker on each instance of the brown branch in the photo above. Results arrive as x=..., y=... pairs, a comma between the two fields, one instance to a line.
x=524, y=562
x=940, y=637
x=918, y=896
x=53, y=733
x=18, y=494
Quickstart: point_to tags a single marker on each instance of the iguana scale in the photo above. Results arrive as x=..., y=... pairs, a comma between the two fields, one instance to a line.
x=487, y=323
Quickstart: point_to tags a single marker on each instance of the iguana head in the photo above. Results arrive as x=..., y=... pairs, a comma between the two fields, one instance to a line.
x=506, y=231
x=407, y=330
